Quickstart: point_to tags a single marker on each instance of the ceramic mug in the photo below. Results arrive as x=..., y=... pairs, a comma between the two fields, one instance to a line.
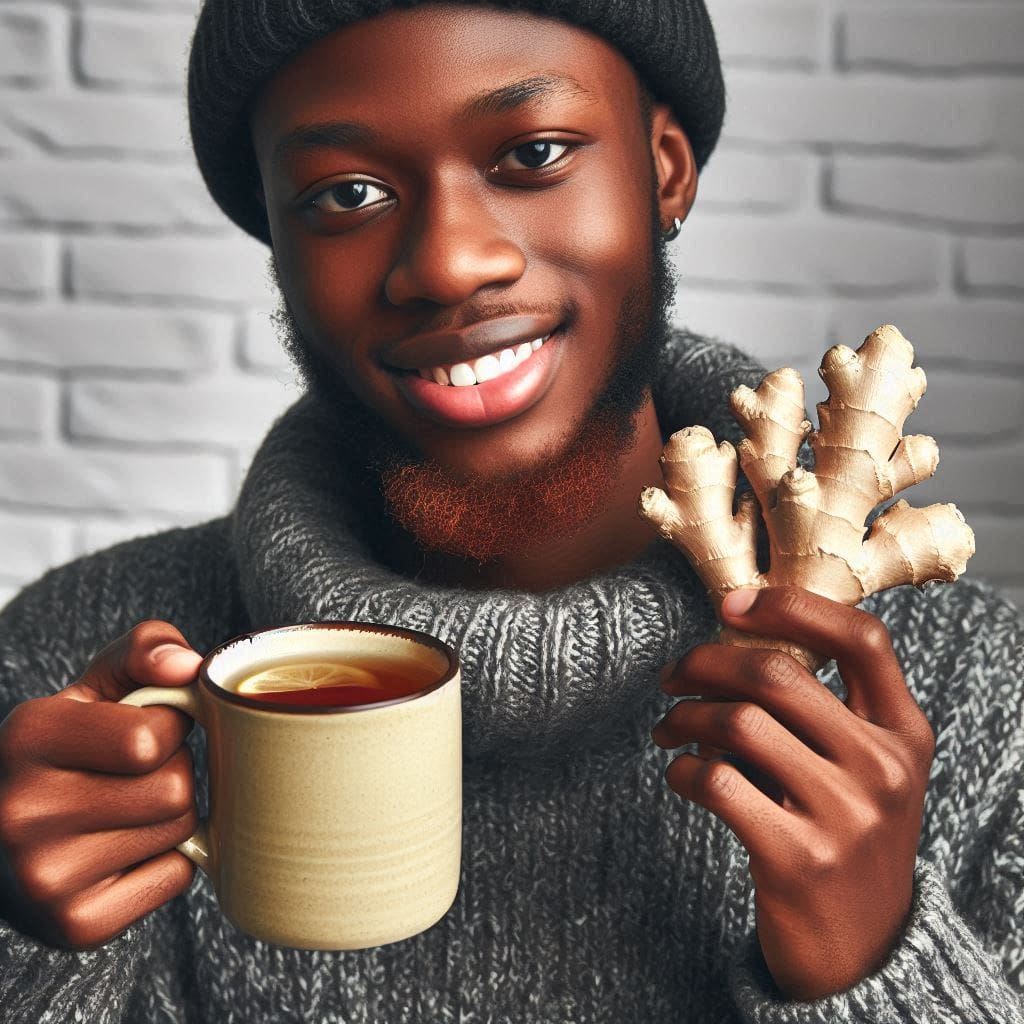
x=334, y=827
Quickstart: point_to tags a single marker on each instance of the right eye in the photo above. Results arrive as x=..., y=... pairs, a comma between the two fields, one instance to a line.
x=347, y=196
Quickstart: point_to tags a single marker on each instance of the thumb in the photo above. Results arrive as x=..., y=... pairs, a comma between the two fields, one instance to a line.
x=153, y=653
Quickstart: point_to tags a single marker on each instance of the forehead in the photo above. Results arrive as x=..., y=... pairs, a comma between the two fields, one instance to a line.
x=423, y=64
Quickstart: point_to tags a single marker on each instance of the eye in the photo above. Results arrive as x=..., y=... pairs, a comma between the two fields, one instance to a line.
x=531, y=155
x=347, y=196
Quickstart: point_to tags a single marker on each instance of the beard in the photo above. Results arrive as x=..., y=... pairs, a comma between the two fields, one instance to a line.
x=483, y=518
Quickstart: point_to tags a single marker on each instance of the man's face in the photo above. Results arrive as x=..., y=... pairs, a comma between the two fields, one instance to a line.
x=450, y=183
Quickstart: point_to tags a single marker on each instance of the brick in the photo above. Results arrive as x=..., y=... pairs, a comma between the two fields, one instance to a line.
x=975, y=193
x=932, y=37
x=211, y=413
x=32, y=544
x=28, y=406
x=768, y=32
x=86, y=479
x=1000, y=554
x=776, y=331
x=28, y=51
x=808, y=254
x=124, y=48
x=83, y=337
x=992, y=264
x=105, y=193
x=100, y=123
x=221, y=271
x=97, y=534
x=858, y=110
x=961, y=406
x=29, y=264
x=982, y=332
x=742, y=179
x=977, y=479
x=261, y=346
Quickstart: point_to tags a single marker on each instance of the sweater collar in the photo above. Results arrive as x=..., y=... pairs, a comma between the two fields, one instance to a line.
x=541, y=673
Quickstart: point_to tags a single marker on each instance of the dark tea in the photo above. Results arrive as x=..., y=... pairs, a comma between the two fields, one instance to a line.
x=321, y=682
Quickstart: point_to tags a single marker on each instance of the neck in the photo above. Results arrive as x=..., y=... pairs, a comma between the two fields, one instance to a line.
x=614, y=537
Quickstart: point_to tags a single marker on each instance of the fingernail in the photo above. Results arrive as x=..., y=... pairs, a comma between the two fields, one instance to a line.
x=739, y=602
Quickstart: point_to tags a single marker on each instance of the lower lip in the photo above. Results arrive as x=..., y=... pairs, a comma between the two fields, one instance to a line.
x=494, y=401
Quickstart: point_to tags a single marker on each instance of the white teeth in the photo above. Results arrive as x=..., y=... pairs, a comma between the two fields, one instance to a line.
x=462, y=375
x=486, y=368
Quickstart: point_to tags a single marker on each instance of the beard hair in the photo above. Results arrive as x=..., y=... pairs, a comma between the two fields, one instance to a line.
x=484, y=518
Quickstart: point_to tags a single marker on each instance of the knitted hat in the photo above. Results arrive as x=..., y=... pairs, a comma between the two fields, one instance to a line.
x=240, y=44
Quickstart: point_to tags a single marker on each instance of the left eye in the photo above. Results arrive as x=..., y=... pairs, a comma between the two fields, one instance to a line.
x=536, y=154
x=348, y=195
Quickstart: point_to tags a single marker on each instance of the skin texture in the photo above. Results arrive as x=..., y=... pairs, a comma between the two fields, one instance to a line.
x=826, y=796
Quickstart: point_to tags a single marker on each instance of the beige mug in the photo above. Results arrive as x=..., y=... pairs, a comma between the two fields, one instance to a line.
x=336, y=827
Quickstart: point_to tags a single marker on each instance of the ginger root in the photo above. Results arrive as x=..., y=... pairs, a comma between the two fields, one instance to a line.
x=815, y=521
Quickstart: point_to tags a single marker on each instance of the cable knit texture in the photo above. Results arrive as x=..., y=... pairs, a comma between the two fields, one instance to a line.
x=589, y=892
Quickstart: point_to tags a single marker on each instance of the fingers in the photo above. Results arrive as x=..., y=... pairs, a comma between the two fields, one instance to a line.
x=771, y=679
x=858, y=641
x=55, y=872
x=751, y=733
x=760, y=824
x=93, y=802
x=97, y=915
x=98, y=736
x=153, y=653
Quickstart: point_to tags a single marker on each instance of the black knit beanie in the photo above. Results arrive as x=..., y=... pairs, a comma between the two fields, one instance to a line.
x=240, y=44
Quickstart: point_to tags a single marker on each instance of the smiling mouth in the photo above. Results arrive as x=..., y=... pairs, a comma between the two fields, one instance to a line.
x=485, y=368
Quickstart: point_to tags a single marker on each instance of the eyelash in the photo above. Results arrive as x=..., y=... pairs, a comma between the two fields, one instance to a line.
x=314, y=203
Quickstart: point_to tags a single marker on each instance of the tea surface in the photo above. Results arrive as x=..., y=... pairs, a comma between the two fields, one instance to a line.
x=326, y=682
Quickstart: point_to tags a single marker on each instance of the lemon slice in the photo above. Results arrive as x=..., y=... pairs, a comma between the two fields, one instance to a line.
x=308, y=675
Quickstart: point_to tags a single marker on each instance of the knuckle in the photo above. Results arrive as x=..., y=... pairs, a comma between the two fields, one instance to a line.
x=177, y=791
x=717, y=781
x=870, y=634
x=743, y=721
x=820, y=859
x=40, y=878
x=140, y=748
x=79, y=929
x=792, y=602
x=779, y=670
x=892, y=778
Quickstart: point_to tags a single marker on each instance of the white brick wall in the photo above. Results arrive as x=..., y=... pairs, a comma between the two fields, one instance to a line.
x=871, y=170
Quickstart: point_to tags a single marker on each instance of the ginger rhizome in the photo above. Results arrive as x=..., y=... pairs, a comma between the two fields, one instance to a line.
x=815, y=521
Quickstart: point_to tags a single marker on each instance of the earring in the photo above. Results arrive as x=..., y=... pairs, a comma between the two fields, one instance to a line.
x=673, y=231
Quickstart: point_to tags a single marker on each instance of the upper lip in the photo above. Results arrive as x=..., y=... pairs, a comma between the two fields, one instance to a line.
x=446, y=348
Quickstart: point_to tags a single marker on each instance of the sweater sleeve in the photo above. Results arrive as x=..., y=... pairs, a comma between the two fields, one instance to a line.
x=960, y=956
x=48, y=635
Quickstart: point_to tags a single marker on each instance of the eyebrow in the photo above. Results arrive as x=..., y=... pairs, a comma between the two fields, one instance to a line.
x=343, y=134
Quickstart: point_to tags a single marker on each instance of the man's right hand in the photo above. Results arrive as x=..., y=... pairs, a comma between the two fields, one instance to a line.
x=95, y=795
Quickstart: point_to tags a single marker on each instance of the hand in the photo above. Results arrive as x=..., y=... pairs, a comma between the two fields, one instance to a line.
x=832, y=818
x=95, y=795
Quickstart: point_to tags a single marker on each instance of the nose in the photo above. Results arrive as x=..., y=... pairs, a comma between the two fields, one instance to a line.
x=454, y=247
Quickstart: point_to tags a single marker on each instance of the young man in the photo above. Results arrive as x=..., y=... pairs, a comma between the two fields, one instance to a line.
x=467, y=207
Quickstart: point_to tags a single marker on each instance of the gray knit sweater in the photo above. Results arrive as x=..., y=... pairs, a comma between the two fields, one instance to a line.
x=590, y=891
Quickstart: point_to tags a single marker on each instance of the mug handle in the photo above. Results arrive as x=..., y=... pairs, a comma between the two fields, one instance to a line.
x=184, y=698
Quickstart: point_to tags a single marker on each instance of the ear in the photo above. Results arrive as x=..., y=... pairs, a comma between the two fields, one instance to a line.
x=674, y=164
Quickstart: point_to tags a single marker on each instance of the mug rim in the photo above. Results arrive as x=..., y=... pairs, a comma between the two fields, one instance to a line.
x=348, y=625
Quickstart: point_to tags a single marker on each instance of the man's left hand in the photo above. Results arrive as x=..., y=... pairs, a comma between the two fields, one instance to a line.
x=830, y=798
